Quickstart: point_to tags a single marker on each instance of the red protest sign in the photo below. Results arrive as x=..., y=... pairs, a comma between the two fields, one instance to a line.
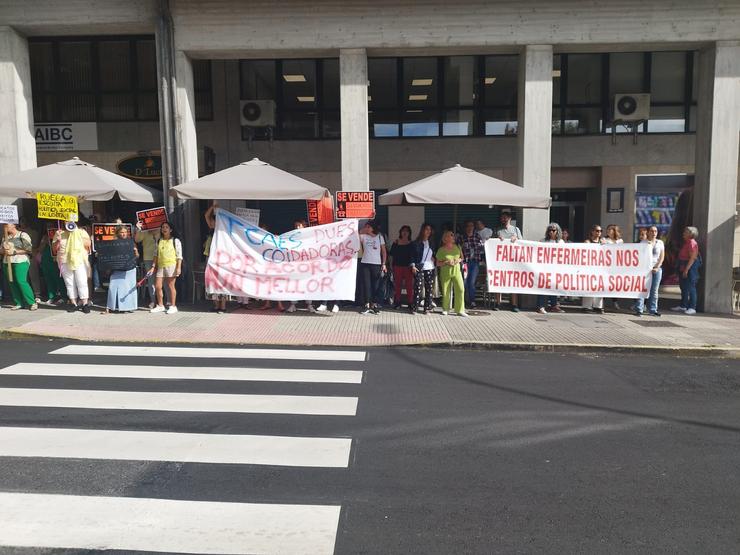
x=107, y=232
x=320, y=212
x=355, y=204
x=152, y=218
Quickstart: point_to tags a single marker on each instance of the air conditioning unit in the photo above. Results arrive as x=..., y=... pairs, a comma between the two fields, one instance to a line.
x=631, y=107
x=257, y=113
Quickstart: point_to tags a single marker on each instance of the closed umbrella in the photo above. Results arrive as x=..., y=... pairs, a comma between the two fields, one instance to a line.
x=75, y=178
x=459, y=185
x=253, y=180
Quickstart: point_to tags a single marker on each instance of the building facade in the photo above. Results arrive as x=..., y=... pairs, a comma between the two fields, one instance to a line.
x=372, y=95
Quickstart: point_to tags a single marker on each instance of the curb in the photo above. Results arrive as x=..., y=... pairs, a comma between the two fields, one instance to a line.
x=561, y=348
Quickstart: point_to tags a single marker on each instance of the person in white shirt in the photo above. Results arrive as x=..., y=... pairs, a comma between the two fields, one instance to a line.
x=594, y=303
x=508, y=232
x=553, y=234
x=372, y=265
x=657, y=255
x=485, y=233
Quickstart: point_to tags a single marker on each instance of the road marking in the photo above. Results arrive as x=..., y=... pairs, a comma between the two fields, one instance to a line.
x=186, y=402
x=185, y=373
x=210, y=352
x=80, y=522
x=175, y=447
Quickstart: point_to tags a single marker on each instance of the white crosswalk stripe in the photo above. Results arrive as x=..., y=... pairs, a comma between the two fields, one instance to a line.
x=206, y=353
x=154, y=524
x=185, y=373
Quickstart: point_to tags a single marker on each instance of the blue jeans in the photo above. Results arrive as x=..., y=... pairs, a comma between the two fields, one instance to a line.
x=551, y=300
x=95, y=276
x=688, y=286
x=473, y=268
x=653, y=296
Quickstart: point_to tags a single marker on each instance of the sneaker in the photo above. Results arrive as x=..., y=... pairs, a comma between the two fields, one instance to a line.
x=16, y=307
x=321, y=308
x=156, y=309
x=463, y=314
x=690, y=311
x=311, y=308
x=376, y=310
x=678, y=309
x=599, y=310
x=292, y=308
x=638, y=313
x=444, y=313
x=173, y=310
x=152, y=305
x=432, y=305
x=514, y=308
x=556, y=309
x=655, y=314
x=34, y=306
x=335, y=309
x=72, y=308
x=366, y=311
x=473, y=305
x=541, y=310
x=86, y=308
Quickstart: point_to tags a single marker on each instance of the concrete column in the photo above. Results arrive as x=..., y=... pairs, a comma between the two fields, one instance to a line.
x=715, y=188
x=534, y=136
x=17, y=144
x=355, y=136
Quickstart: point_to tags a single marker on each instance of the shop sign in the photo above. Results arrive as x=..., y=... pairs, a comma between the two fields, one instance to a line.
x=141, y=167
x=66, y=136
x=355, y=204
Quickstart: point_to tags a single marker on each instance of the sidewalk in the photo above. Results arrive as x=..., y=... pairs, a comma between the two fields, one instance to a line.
x=572, y=330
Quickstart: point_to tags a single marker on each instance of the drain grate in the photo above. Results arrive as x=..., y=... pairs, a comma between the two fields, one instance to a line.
x=657, y=324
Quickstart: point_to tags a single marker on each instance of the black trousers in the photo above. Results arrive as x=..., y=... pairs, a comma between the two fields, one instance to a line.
x=425, y=278
x=370, y=279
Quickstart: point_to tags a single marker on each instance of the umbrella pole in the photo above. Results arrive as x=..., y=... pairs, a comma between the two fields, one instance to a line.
x=454, y=219
x=7, y=257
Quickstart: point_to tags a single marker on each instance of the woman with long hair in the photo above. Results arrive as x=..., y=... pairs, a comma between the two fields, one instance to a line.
x=401, y=252
x=372, y=265
x=72, y=247
x=553, y=234
x=122, y=294
x=449, y=256
x=17, y=249
x=167, y=264
x=423, y=267
x=594, y=303
x=657, y=255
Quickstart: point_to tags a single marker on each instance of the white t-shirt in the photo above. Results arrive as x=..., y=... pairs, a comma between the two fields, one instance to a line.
x=485, y=234
x=657, y=250
x=371, y=249
x=427, y=262
x=509, y=232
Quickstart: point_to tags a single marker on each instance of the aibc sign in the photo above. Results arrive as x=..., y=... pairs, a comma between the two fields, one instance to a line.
x=66, y=136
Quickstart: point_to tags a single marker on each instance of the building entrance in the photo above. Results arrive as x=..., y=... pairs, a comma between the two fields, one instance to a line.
x=569, y=211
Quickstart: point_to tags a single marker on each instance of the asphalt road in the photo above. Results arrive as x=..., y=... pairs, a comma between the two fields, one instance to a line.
x=451, y=451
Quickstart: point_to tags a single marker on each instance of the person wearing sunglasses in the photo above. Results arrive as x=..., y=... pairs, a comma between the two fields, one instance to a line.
x=594, y=303
x=553, y=234
x=657, y=255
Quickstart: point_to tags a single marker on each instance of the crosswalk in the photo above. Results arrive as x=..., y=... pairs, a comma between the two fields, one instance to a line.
x=164, y=385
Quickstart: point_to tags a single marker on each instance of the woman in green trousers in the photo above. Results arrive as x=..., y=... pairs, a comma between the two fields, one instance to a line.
x=56, y=292
x=449, y=257
x=17, y=250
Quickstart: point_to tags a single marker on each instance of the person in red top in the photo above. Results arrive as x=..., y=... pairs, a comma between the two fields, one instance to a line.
x=689, y=262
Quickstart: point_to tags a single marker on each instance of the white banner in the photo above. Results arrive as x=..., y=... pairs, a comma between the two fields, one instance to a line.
x=8, y=214
x=571, y=269
x=313, y=263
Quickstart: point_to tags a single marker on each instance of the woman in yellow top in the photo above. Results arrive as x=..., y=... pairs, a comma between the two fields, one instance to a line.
x=449, y=257
x=168, y=264
x=72, y=249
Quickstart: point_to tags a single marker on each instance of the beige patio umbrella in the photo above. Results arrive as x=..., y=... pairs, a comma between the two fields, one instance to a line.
x=253, y=180
x=75, y=178
x=459, y=185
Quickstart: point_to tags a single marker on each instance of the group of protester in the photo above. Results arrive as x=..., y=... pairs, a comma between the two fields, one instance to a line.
x=417, y=265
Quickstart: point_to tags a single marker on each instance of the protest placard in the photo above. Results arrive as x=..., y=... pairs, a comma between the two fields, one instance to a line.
x=320, y=212
x=249, y=215
x=152, y=218
x=107, y=232
x=355, y=204
x=312, y=263
x=572, y=269
x=8, y=214
x=53, y=206
x=116, y=254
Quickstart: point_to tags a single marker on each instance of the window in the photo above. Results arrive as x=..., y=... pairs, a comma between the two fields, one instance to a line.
x=382, y=97
x=105, y=79
x=671, y=92
x=499, y=85
x=578, y=100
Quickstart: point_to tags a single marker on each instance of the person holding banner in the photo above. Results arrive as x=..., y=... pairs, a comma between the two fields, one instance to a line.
x=423, y=267
x=508, y=232
x=594, y=303
x=72, y=248
x=219, y=301
x=449, y=257
x=167, y=264
x=372, y=265
x=553, y=234
x=17, y=250
x=657, y=254
x=122, y=294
